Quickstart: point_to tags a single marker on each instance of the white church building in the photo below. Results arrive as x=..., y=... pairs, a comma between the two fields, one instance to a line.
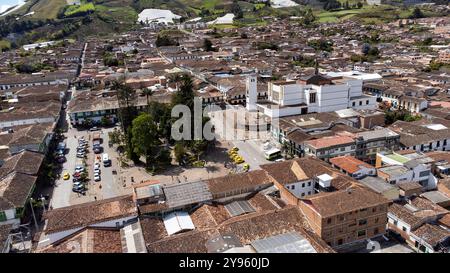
x=312, y=94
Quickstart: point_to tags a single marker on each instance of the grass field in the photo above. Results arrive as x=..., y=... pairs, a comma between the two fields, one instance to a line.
x=73, y=10
x=4, y=44
x=48, y=9
x=367, y=14
x=335, y=16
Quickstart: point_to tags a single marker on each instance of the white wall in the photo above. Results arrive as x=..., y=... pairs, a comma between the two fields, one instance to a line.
x=10, y=214
x=26, y=121
x=301, y=188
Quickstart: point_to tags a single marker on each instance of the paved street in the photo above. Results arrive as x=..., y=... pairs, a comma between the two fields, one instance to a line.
x=250, y=149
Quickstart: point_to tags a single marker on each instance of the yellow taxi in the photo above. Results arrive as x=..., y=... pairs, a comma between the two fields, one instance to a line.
x=66, y=176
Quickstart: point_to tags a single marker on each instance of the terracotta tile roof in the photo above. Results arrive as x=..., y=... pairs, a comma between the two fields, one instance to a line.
x=25, y=162
x=189, y=242
x=86, y=214
x=261, y=202
x=88, y=240
x=15, y=188
x=247, y=228
x=445, y=220
x=153, y=207
x=153, y=229
x=422, y=210
x=349, y=163
x=410, y=186
x=290, y=171
x=431, y=234
x=425, y=204
x=405, y=215
x=242, y=181
x=326, y=142
x=335, y=203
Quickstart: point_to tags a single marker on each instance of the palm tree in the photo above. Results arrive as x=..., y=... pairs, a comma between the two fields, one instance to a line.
x=148, y=93
x=176, y=78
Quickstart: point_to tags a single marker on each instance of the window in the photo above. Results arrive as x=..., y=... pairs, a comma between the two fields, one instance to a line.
x=353, y=103
x=341, y=218
x=362, y=222
x=360, y=103
x=424, y=173
x=362, y=210
x=361, y=233
x=376, y=220
x=404, y=228
x=340, y=241
x=309, y=193
x=293, y=187
x=375, y=231
x=303, y=185
x=329, y=221
x=309, y=183
x=424, y=182
x=312, y=98
x=303, y=194
x=395, y=222
x=342, y=149
x=2, y=216
x=374, y=209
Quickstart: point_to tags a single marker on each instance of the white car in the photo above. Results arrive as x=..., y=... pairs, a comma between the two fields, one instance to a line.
x=97, y=171
x=97, y=177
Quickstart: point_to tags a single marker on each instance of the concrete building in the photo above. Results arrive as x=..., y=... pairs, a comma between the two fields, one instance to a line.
x=398, y=168
x=348, y=216
x=314, y=93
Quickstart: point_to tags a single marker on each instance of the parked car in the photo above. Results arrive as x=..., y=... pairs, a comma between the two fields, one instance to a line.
x=61, y=159
x=77, y=183
x=97, y=177
x=97, y=171
x=97, y=150
x=66, y=176
x=80, y=155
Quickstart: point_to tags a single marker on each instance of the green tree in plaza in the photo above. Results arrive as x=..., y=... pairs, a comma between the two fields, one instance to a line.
x=145, y=138
x=179, y=152
x=147, y=93
x=175, y=78
x=127, y=98
x=185, y=95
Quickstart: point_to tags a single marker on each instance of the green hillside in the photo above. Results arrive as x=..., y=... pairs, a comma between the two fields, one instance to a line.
x=54, y=19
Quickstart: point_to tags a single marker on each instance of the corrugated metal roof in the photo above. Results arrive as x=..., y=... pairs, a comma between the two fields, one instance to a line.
x=291, y=242
x=178, y=221
x=187, y=193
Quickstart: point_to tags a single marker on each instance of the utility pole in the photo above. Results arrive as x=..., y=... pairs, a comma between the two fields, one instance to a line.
x=32, y=212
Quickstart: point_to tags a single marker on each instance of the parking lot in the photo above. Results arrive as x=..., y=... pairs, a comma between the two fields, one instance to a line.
x=109, y=185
